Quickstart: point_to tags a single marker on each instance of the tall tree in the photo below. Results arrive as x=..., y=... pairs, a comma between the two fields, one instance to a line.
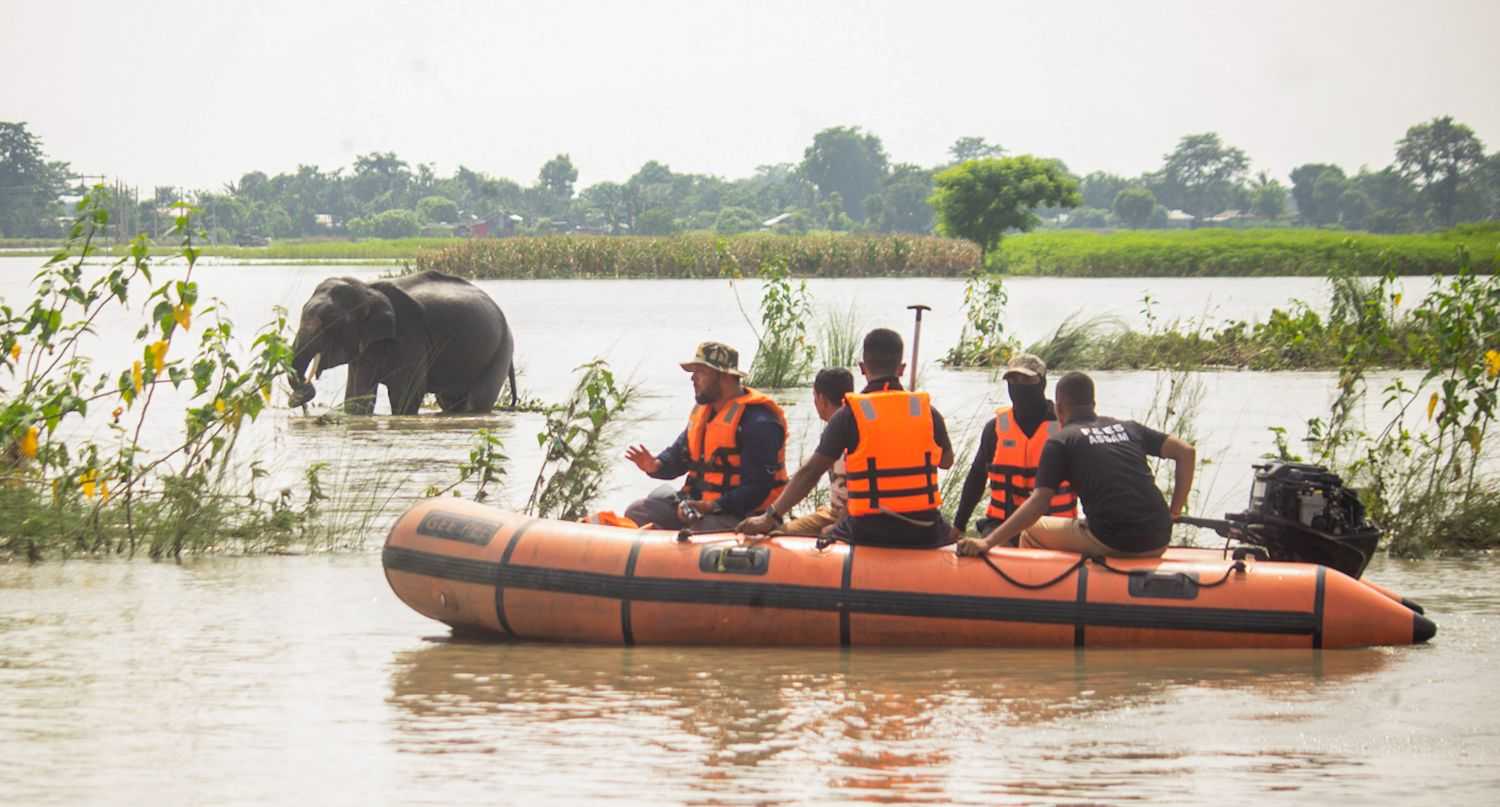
x=1202, y=173
x=1268, y=196
x=848, y=162
x=29, y=184
x=557, y=177
x=1328, y=197
x=1134, y=206
x=1304, y=183
x=979, y=200
x=973, y=148
x=901, y=206
x=1100, y=188
x=1436, y=154
x=380, y=181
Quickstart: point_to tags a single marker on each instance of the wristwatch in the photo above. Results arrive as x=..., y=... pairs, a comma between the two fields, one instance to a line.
x=773, y=515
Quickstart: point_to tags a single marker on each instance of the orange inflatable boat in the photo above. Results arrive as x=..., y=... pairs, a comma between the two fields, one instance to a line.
x=481, y=569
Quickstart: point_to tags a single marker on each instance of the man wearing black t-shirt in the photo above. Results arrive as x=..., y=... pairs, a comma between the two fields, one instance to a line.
x=1104, y=460
x=896, y=504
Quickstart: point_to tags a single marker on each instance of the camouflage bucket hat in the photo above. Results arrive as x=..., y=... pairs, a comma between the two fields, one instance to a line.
x=716, y=356
x=1025, y=364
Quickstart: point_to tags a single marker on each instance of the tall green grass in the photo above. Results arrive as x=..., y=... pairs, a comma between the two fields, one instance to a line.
x=1222, y=252
x=704, y=255
x=839, y=337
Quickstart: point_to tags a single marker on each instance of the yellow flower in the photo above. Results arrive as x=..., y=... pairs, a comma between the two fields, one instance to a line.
x=219, y=405
x=1396, y=299
x=103, y=491
x=1492, y=363
x=184, y=316
x=86, y=482
x=158, y=352
x=135, y=376
x=1432, y=405
x=28, y=442
x=15, y=352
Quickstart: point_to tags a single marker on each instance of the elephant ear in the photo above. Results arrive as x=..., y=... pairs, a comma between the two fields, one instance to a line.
x=401, y=319
x=378, y=323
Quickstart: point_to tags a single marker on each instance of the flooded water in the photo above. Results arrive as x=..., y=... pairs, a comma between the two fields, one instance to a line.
x=281, y=679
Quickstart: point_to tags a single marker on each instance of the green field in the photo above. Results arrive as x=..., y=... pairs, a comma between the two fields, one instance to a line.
x=1226, y=253
x=1067, y=253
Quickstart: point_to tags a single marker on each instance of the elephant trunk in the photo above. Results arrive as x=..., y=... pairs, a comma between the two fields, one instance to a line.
x=307, y=365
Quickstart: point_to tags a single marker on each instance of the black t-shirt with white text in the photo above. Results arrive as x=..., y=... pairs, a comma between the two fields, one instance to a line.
x=1104, y=459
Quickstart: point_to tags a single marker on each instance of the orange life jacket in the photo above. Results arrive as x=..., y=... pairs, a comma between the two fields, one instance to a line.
x=895, y=465
x=1013, y=468
x=714, y=449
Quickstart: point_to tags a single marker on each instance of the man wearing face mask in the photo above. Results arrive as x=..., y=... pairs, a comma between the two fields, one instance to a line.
x=1011, y=449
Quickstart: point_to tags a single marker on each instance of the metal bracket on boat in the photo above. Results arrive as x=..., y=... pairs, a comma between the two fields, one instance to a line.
x=1247, y=551
x=1164, y=585
x=735, y=559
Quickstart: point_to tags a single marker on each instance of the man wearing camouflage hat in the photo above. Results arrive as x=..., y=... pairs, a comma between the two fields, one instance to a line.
x=1010, y=449
x=733, y=451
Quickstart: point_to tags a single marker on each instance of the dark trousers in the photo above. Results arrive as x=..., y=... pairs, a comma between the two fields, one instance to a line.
x=659, y=508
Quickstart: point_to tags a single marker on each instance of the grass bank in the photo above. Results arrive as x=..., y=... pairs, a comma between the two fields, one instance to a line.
x=703, y=255
x=1228, y=253
x=1295, y=339
x=369, y=250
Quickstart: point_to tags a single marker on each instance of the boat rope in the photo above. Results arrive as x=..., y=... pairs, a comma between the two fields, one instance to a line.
x=1103, y=563
x=1033, y=586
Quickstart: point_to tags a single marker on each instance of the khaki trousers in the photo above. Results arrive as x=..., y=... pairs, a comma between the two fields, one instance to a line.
x=1073, y=535
x=810, y=524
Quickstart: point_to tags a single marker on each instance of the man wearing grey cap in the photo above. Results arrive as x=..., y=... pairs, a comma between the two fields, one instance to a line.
x=733, y=451
x=1010, y=450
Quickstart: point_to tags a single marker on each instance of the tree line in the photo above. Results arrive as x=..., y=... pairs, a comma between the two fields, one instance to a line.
x=845, y=181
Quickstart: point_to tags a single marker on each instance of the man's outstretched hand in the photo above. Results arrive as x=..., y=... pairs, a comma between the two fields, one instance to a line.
x=643, y=459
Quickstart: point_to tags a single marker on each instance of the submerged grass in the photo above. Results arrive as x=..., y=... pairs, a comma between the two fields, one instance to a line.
x=839, y=337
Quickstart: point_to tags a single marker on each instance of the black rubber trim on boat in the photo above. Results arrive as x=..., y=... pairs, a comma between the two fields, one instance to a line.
x=848, y=576
x=499, y=578
x=1413, y=605
x=1317, y=637
x=626, y=634
x=857, y=601
x=1422, y=628
x=1083, y=601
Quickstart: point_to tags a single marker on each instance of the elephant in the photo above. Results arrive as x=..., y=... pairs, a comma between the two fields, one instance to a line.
x=419, y=333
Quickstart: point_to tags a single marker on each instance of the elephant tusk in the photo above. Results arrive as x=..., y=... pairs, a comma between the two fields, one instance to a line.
x=313, y=368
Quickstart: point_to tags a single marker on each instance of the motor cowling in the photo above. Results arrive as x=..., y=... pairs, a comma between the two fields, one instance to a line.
x=1304, y=513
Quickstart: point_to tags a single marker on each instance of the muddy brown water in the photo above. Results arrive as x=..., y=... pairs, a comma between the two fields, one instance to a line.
x=303, y=679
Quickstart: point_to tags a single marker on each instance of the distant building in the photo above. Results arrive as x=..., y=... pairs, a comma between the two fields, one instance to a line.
x=1228, y=217
x=324, y=220
x=1178, y=218
x=494, y=227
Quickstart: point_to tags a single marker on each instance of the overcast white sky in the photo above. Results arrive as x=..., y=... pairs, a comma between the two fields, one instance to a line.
x=196, y=94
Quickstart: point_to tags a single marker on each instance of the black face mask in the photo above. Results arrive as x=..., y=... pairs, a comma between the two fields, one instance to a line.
x=1029, y=401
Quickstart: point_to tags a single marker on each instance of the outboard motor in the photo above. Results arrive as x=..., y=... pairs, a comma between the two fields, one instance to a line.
x=1302, y=513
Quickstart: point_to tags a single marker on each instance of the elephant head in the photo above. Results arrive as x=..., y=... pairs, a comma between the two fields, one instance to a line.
x=345, y=321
